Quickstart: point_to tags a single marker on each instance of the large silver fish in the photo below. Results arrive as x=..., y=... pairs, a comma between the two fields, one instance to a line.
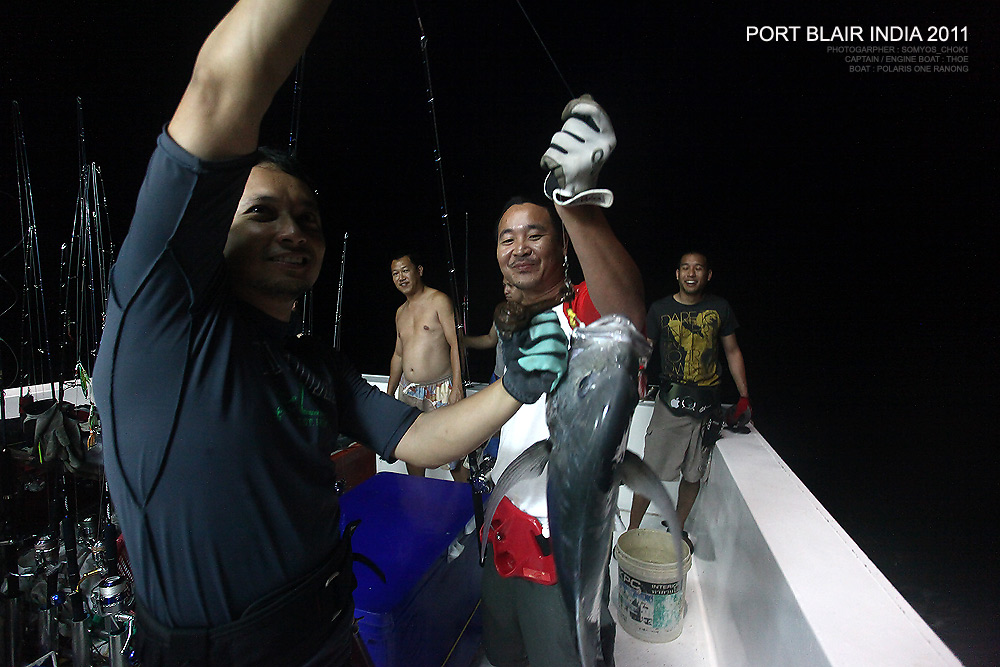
x=587, y=416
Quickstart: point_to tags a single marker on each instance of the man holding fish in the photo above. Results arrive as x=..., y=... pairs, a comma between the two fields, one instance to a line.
x=525, y=618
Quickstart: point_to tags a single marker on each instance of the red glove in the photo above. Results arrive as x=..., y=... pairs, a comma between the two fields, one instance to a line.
x=734, y=413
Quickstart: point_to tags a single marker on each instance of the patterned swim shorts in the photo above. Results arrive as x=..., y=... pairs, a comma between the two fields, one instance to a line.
x=428, y=396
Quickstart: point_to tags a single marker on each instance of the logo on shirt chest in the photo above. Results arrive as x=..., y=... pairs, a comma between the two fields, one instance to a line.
x=300, y=411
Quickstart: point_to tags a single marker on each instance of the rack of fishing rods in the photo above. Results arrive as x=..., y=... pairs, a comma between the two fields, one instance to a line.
x=85, y=264
x=61, y=593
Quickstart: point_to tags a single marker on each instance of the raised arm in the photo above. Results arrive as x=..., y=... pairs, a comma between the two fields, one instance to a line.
x=612, y=276
x=574, y=159
x=239, y=69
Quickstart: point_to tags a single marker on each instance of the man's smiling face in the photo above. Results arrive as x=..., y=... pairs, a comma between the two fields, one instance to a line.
x=530, y=250
x=275, y=247
x=693, y=274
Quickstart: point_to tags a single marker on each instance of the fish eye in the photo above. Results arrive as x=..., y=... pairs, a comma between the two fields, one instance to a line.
x=583, y=386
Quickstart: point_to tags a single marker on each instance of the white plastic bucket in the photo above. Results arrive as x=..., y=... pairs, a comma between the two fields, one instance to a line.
x=651, y=604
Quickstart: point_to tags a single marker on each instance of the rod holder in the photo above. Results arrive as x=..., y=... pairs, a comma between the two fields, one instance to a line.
x=12, y=632
x=81, y=644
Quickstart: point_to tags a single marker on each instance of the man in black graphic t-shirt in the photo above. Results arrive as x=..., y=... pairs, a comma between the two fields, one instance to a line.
x=688, y=330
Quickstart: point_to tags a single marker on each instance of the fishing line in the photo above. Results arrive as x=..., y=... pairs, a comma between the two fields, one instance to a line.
x=461, y=633
x=13, y=291
x=546, y=49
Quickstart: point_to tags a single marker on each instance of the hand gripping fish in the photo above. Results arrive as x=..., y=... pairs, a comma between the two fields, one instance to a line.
x=587, y=416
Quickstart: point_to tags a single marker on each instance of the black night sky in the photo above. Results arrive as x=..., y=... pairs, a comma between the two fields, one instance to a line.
x=847, y=214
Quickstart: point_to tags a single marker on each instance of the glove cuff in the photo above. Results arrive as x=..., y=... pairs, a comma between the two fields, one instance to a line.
x=518, y=393
x=595, y=196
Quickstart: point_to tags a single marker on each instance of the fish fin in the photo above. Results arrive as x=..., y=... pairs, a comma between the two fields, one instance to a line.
x=529, y=463
x=642, y=480
x=622, y=523
x=587, y=650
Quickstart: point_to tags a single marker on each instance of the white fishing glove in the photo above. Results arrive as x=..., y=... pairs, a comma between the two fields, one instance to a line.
x=577, y=153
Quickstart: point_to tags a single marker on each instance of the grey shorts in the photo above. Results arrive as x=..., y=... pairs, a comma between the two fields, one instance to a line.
x=673, y=446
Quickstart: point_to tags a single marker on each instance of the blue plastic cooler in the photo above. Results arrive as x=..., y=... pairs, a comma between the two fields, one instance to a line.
x=413, y=527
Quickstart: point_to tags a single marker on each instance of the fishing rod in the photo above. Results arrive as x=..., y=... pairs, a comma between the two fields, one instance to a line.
x=100, y=252
x=66, y=277
x=340, y=296
x=85, y=280
x=465, y=295
x=78, y=631
x=47, y=557
x=36, y=352
x=85, y=266
x=305, y=304
x=293, y=131
x=438, y=162
x=472, y=458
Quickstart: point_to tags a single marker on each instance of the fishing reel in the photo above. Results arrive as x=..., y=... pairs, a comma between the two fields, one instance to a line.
x=111, y=596
x=480, y=478
x=88, y=532
x=47, y=560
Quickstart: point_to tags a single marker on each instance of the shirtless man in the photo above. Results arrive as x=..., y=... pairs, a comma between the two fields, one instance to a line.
x=425, y=366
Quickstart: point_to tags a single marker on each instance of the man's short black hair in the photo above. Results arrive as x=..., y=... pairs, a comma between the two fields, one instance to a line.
x=289, y=164
x=517, y=200
x=400, y=253
x=707, y=264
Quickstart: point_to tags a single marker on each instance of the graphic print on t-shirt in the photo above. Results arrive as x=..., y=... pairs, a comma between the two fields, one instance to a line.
x=691, y=349
x=298, y=410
